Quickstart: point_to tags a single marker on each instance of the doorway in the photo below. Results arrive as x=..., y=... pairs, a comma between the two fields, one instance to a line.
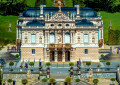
x=59, y=55
x=52, y=56
x=67, y=56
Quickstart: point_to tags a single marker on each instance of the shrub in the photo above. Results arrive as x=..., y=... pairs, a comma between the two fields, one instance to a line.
x=77, y=80
x=52, y=80
x=9, y=80
x=88, y=63
x=31, y=63
x=112, y=79
x=17, y=55
x=71, y=64
x=102, y=55
x=68, y=79
x=11, y=63
x=1, y=75
x=95, y=81
x=24, y=81
x=48, y=64
x=108, y=63
x=44, y=80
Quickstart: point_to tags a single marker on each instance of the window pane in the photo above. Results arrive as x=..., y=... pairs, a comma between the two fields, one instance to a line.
x=33, y=38
x=33, y=51
x=67, y=38
x=86, y=51
x=52, y=38
x=85, y=38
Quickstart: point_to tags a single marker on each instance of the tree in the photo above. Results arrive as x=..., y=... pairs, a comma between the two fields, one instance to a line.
x=68, y=79
x=11, y=63
x=1, y=76
x=112, y=79
x=52, y=80
x=77, y=80
x=95, y=81
x=31, y=64
x=24, y=81
x=44, y=80
x=48, y=64
x=9, y=80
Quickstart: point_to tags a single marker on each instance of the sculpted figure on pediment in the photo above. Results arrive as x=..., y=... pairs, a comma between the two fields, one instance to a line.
x=59, y=17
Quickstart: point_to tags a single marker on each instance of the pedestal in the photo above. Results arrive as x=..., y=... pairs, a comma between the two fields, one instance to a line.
x=90, y=80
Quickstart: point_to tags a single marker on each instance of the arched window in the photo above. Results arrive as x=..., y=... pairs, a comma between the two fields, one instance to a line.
x=67, y=37
x=85, y=38
x=52, y=38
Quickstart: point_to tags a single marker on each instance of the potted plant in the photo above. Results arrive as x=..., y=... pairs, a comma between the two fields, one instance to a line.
x=21, y=66
x=98, y=67
x=71, y=64
x=24, y=81
x=48, y=65
x=17, y=55
x=31, y=64
x=44, y=80
x=95, y=81
x=68, y=80
x=108, y=64
x=88, y=64
x=118, y=82
x=9, y=81
x=112, y=79
x=77, y=81
x=11, y=64
x=48, y=71
x=52, y=81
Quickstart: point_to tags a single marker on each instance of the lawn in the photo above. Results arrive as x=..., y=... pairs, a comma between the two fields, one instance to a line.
x=4, y=27
x=107, y=17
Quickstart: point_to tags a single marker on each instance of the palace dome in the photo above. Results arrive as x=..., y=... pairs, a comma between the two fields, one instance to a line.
x=35, y=11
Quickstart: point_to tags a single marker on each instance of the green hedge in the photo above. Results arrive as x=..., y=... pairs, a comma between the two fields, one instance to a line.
x=114, y=37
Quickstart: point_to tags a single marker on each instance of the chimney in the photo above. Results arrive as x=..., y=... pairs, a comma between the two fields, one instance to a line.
x=78, y=11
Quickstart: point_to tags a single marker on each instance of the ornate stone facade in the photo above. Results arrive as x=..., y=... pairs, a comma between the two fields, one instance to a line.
x=63, y=36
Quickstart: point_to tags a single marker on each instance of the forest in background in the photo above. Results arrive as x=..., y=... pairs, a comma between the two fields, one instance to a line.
x=10, y=10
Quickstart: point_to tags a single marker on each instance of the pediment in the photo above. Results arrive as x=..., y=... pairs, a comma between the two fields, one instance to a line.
x=59, y=16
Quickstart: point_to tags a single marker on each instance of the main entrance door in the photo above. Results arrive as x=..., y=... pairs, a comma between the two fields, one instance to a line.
x=59, y=55
x=52, y=57
x=67, y=56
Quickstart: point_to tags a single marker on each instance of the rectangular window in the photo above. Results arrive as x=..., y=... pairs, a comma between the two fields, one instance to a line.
x=86, y=51
x=85, y=38
x=33, y=51
x=33, y=38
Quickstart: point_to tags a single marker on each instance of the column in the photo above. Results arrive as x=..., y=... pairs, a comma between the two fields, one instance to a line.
x=55, y=54
x=63, y=55
x=48, y=37
x=55, y=36
x=63, y=37
x=71, y=37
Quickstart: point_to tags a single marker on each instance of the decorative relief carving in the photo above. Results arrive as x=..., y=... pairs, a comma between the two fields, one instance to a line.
x=26, y=40
x=78, y=39
x=93, y=40
x=40, y=39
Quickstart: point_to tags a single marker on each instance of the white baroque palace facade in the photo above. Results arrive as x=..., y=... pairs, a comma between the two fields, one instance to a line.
x=59, y=34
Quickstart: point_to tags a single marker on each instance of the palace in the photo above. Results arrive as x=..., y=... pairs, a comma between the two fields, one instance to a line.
x=64, y=34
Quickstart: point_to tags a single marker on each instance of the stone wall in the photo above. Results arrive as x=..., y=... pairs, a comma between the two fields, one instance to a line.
x=26, y=54
x=92, y=55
